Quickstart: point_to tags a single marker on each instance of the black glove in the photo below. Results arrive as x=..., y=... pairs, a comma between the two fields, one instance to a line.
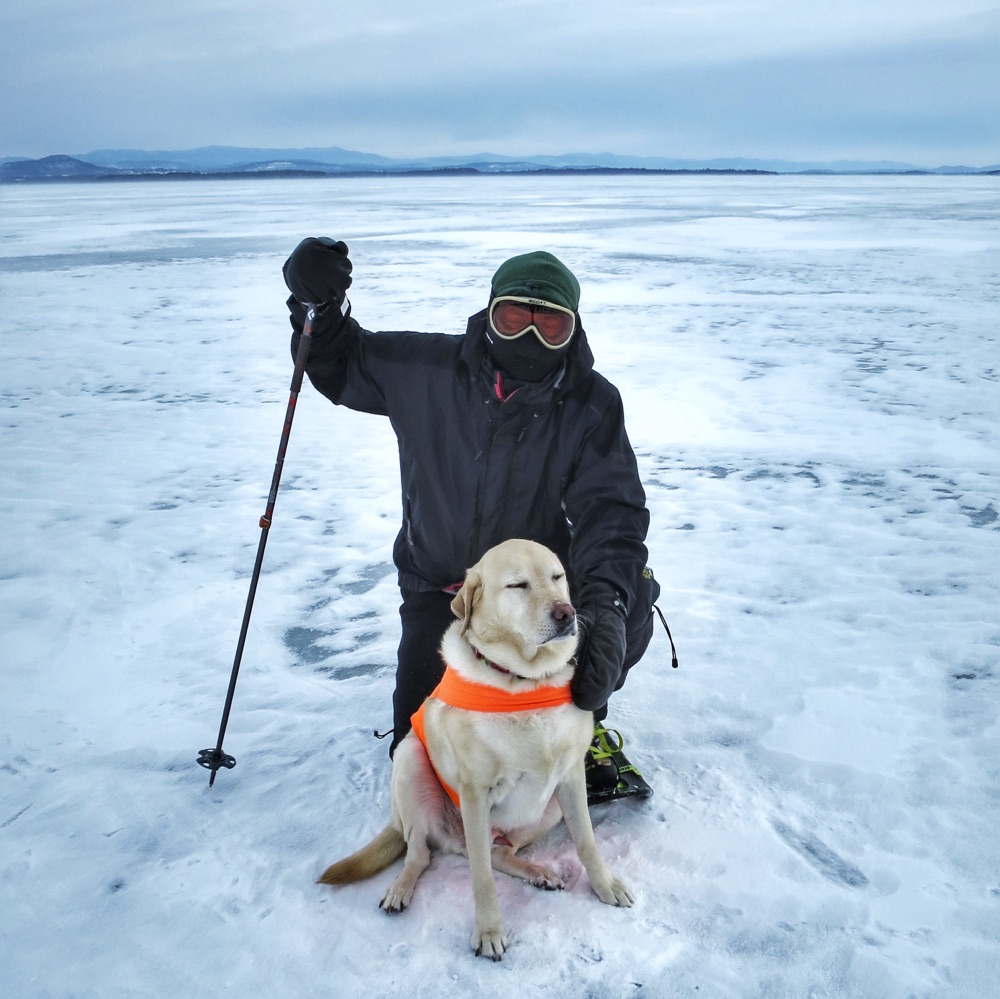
x=601, y=654
x=319, y=271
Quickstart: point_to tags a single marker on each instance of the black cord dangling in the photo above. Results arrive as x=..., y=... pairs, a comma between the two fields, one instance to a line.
x=673, y=648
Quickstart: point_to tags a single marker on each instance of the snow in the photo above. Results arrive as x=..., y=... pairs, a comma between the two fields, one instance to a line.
x=809, y=367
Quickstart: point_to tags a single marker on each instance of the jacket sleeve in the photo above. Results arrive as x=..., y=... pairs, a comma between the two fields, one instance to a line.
x=605, y=505
x=339, y=364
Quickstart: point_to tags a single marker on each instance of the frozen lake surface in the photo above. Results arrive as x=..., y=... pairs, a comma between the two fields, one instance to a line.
x=810, y=370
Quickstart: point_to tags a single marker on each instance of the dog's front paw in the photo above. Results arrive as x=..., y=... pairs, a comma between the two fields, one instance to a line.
x=542, y=877
x=489, y=942
x=613, y=892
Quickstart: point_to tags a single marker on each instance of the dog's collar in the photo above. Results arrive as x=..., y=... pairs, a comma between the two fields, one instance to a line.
x=510, y=672
x=497, y=666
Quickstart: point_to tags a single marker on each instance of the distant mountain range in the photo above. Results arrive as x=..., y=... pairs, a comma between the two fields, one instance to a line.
x=229, y=161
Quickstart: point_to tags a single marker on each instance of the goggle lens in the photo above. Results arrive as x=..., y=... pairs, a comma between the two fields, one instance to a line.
x=512, y=318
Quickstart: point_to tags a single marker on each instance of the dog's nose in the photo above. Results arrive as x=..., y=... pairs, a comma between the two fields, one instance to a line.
x=563, y=611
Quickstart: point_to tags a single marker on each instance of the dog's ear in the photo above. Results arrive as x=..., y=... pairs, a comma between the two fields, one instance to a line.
x=466, y=598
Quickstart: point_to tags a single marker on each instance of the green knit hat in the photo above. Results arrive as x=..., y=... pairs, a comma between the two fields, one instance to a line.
x=537, y=275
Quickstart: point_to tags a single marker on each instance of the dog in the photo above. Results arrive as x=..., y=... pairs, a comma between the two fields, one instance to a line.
x=500, y=736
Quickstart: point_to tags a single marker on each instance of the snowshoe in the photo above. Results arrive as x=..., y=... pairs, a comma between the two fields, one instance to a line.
x=610, y=774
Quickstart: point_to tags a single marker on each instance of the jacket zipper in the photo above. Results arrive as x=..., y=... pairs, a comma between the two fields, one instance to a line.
x=483, y=460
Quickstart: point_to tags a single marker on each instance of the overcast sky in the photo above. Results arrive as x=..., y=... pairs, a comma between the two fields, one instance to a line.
x=911, y=80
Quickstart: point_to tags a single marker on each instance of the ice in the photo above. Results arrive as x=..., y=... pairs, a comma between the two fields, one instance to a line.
x=809, y=367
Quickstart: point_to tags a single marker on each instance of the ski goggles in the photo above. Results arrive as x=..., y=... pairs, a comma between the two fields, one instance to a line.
x=512, y=316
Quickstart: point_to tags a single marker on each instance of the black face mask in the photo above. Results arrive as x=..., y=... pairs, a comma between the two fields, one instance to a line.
x=524, y=359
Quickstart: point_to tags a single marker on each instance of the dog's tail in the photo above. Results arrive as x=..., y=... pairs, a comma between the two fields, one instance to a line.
x=386, y=847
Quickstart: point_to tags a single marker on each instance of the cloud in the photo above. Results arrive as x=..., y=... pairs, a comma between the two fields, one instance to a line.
x=714, y=77
x=917, y=98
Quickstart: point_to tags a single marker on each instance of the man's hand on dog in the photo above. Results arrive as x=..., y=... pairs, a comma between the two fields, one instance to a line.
x=601, y=653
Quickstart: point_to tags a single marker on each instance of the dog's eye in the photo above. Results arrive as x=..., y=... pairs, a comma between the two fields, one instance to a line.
x=517, y=586
x=558, y=576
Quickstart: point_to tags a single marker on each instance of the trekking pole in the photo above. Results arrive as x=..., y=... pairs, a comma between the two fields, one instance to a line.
x=215, y=758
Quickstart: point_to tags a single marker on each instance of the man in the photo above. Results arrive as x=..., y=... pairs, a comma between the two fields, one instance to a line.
x=504, y=432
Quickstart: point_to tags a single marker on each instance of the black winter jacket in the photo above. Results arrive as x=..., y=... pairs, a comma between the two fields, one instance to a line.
x=552, y=463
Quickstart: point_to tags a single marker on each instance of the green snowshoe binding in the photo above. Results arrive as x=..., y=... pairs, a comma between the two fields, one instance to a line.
x=610, y=774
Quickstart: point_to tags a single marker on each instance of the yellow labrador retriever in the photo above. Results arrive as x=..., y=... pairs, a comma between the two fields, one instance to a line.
x=496, y=756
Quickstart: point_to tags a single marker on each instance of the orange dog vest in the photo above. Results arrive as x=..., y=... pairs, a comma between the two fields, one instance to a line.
x=457, y=692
